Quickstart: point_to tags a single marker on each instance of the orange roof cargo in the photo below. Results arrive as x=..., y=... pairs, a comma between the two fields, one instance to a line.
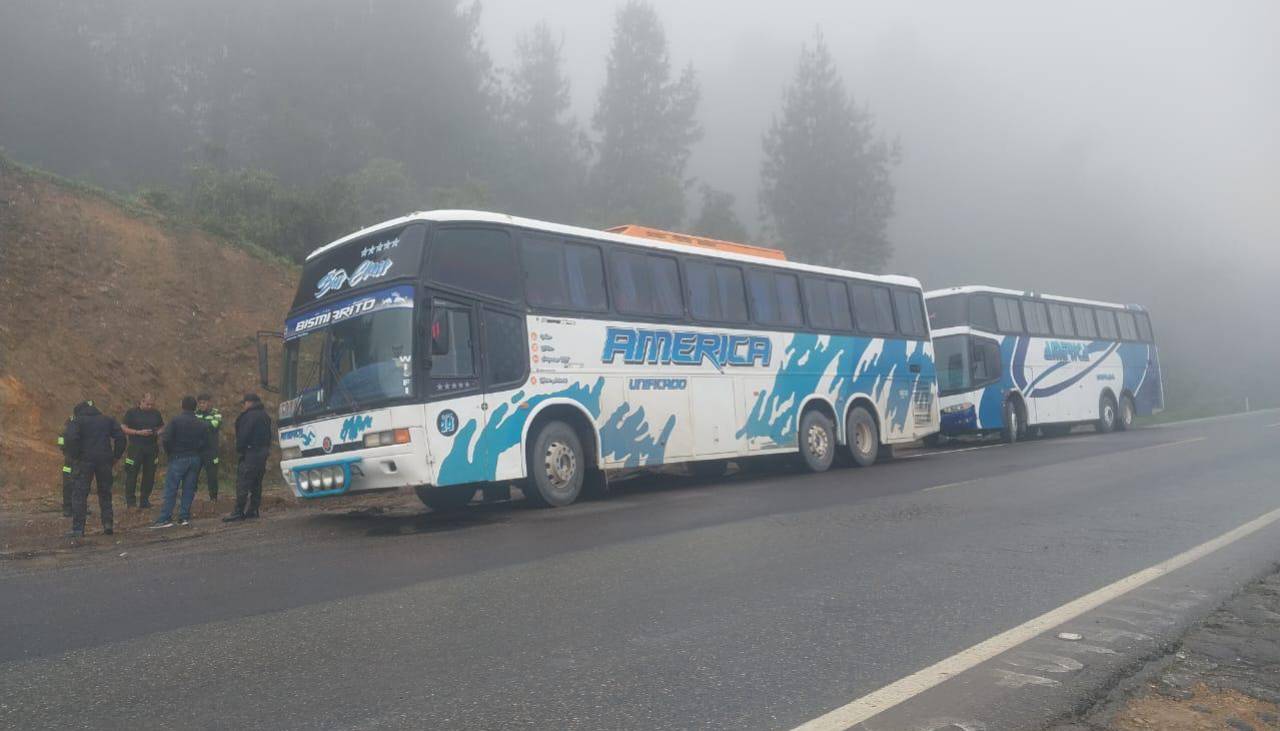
x=645, y=232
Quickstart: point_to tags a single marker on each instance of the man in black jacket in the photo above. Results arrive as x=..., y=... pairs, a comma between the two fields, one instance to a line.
x=184, y=439
x=68, y=471
x=93, y=442
x=253, y=443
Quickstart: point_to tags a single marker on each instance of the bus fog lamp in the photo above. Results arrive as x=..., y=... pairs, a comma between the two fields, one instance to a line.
x=326, y=478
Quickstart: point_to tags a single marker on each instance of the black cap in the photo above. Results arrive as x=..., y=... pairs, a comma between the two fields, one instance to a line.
x=252, y=398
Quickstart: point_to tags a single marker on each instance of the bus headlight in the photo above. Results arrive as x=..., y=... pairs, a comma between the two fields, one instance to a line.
x=957, y=408
x=383, y=438
x=289, y=453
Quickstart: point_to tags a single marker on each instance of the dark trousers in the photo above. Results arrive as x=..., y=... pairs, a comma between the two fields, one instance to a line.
x=86, y=472
x=141, y=458
x=249, y=473
x=68, y=487
x=209, y=466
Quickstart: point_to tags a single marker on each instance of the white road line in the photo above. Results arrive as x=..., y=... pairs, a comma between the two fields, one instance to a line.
x=1272, y=426
x=1168, y=444
x=906, y=688
x=949, y=484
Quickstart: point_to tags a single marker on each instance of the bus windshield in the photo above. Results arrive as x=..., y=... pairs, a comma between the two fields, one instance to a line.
x=948, y=311
x=350, y=356
x=951, y=353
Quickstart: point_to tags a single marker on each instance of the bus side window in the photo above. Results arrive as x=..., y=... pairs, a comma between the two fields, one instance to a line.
x=910, y=313
x=816, y=304
x=481, y=260
x=788, y=299
x=872, y=308
x=986, y=361
x=733, y=298
x=453, y=354
x=982, y=312
x=1008, y=317
x=763, y=296
x=1107, y=325
x=505, y=351
x=1084, y=322
x=1060, y=321
x=1036, y=317
x=1128, y=330
x=1144, y=327
x=704, y=301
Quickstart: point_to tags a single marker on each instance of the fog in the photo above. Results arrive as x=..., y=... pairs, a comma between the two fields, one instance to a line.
x=1114, y=151
x=1117, y=151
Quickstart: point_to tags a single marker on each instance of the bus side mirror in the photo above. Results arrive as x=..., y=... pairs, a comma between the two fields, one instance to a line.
x=440, y=332
x=264, y=379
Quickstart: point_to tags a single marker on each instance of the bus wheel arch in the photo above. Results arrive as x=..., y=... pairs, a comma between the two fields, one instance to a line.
x=862, y=430
x=816, y=434
x=578, y=453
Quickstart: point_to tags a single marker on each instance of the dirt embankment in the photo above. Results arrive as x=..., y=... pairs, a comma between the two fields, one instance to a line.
x=100, y=302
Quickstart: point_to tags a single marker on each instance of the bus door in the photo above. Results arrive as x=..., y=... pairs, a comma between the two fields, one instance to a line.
x=456, y=403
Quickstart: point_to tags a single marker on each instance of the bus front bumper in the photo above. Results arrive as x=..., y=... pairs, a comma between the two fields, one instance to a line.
x=380, y=468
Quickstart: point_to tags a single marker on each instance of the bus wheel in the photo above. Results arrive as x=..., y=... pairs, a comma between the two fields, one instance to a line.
x=556, y=466
x=445, y=499
x=708, y=468
x=864, y=437
x=817, y=441
x=1106, y=414
x=1013, y=429
x=1124, y=422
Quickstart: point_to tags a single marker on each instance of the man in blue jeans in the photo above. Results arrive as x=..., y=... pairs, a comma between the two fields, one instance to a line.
x=184, y=439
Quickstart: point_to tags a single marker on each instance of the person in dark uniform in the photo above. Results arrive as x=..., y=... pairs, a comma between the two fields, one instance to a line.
x=209, y=459
x=253, y=444
x=184, y=439
x=68, y=472
x=142, y=425
x=94, y=442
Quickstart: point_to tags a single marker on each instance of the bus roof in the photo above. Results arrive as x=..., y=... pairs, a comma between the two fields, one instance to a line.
x=969, y=288
x=502, y=218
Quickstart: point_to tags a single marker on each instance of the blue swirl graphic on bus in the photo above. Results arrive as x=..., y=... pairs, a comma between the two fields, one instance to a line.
x=626, y=439
x=353, y=426
x=336, y=279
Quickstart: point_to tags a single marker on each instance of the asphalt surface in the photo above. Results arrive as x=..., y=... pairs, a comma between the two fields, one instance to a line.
x=757, y=601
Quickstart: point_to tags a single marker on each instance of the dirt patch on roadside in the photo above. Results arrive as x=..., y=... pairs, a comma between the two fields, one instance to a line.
x=1208, y=709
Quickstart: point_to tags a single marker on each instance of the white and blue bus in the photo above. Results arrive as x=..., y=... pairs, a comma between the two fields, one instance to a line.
x=1011, y=361
x=452, y=350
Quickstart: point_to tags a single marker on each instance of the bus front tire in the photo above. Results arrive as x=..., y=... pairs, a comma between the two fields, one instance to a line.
x=445, y=499
x=1013, y=428
x=1106, y=414
x=817, y=441
x=1124, y=420
x=863, y=437
x=556, y=466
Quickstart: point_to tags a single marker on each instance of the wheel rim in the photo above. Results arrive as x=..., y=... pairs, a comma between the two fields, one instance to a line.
x=819, y=441
x=1108, y=413
x=862, y=438
x=1126, y=413
x=561, y=465
x=1013, y=421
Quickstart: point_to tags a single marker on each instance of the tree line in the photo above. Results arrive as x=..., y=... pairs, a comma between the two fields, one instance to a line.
x=294, y=122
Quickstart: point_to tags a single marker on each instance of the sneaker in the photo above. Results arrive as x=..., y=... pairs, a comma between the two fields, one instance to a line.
x=162, y=524
x=251, y=515
x=184, y=522
x=233, y=517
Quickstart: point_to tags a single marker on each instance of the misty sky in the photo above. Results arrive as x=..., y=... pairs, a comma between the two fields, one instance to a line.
x=1149, y=127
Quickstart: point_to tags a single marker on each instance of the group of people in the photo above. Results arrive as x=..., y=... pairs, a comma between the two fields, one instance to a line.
x=93, y=443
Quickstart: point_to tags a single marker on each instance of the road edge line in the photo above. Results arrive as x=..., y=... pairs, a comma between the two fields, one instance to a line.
x=904, y=689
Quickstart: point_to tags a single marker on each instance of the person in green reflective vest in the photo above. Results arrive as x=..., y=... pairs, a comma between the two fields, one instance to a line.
x=206, y=412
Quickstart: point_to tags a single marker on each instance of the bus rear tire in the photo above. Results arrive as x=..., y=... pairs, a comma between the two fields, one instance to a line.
x=446, y=499
x=863, y=437
x=817, y=441
x=556, y=466
x=1106, y=422
x=1124, y=419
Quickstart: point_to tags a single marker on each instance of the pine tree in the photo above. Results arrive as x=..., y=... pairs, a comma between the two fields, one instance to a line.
x=717, y=219
x=645, y=121
x=825, y=185
x=548, y=167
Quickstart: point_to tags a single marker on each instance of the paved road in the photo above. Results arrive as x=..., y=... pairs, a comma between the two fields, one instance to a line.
x=760, y=601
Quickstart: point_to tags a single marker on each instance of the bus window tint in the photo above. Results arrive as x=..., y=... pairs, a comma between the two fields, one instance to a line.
x=646, y=284
x=1107, y=325
x=1144, y=327
x=544, y=272
x=788, y=299
x=986, y=361
x=872, y=309
x=764, y=298
x=1084, y=322
x=951, y=353
x=733, y=299
x=910, y=313
x=504, y=348
x=1036, y=317
x=704, y=303
x=1060, y=321
x=585, y=267
x=1128, y=330
x=1008, y=317
x=949, y=311
x=817, y=304
x=480, y=260
x=666, y=286
x=841, y=317
x=982, y=312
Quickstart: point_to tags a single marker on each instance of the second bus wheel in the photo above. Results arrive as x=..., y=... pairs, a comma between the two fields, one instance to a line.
x=557, y=465
x=1124, y=420
x=863, y=437
x=817, y=441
